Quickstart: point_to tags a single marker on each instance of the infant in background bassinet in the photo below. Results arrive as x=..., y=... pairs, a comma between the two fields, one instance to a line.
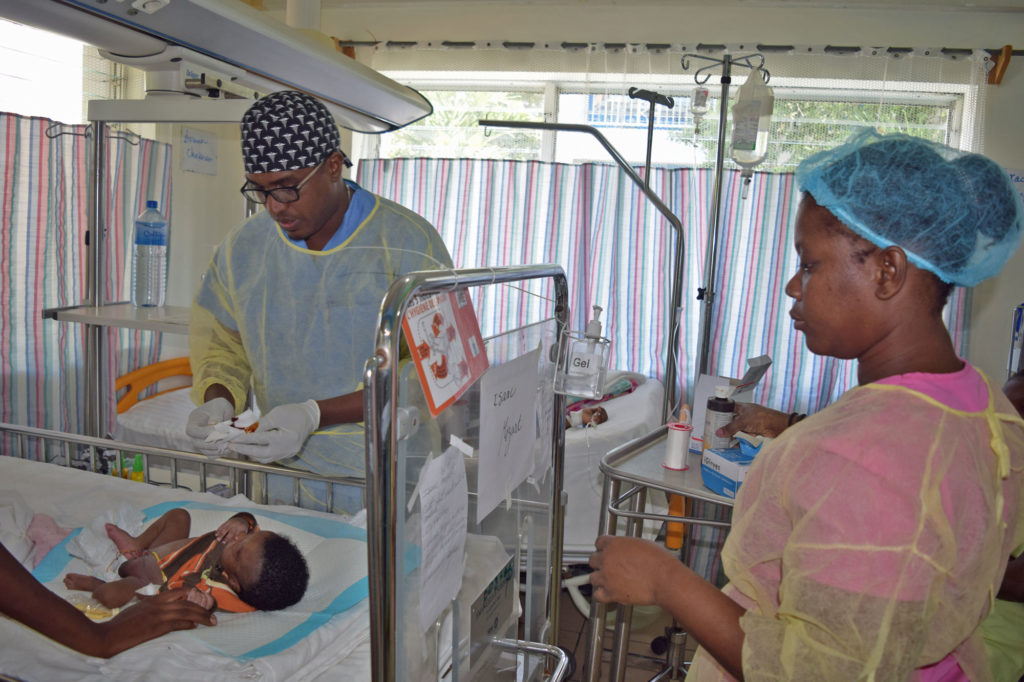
x=236, y=568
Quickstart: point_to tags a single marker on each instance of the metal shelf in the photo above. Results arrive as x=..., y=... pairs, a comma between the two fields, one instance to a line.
x=173, y=319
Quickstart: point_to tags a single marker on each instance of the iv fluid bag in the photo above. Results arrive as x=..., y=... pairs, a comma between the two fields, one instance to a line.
x=751, y=117
x=699, y=101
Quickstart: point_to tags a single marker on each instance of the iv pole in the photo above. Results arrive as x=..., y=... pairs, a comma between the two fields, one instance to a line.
x=677, y=225
x=706, y=294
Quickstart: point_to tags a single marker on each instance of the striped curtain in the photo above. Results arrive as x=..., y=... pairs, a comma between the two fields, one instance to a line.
x=43, y=225
x=617, y=251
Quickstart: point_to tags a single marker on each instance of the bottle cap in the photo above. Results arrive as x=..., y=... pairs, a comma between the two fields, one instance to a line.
x=151, y=203
x=723, y=391
x=594, y=326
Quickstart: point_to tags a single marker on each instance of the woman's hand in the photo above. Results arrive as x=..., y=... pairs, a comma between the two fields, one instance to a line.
x=149, y=618
x=756, y=420
x=633, y=571
x=630, y=570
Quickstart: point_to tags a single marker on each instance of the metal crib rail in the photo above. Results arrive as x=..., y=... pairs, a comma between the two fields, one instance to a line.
x=95, y=445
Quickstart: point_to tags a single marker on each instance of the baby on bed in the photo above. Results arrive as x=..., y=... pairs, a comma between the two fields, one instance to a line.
x=235, y=568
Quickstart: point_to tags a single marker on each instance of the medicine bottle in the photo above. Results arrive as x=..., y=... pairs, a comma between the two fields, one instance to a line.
x=719, y=413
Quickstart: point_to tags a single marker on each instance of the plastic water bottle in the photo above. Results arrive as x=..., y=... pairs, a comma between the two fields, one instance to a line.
x=149, y=258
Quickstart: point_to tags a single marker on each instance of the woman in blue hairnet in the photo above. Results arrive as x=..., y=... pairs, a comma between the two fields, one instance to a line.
x=869, y=539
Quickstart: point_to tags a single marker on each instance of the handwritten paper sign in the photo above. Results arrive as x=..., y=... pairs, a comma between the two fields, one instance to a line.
x=508, y=429
x=199, y=151
x=444, y=512
x=444, y=335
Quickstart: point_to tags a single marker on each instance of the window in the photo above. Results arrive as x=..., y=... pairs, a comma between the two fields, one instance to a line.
x=45, y=74
x=40, y=73
x=806, y=119
x=453, y=129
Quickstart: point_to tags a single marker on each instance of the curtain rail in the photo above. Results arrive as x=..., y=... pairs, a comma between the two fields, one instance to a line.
x=835, y=50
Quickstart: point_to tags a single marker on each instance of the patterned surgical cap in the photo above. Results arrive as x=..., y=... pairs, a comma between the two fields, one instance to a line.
x=287, y=131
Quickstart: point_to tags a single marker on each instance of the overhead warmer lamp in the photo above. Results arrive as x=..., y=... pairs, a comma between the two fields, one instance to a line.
x=226, y=49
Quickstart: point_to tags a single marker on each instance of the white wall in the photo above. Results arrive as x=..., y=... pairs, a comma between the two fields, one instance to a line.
x=204, y=208
x=995, y=299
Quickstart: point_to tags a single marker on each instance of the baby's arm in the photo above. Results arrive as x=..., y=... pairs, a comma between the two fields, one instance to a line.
x=239, y=525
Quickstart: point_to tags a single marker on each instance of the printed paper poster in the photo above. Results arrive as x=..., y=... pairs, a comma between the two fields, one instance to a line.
x=444, y=337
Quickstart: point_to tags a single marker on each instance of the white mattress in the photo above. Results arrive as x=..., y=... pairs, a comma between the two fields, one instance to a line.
x=158, y=421
x=338, y=649
x=629, y=416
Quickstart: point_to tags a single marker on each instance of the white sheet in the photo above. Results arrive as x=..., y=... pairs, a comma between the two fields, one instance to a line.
x=336, y=650
x=158, y=421
x=629, y=416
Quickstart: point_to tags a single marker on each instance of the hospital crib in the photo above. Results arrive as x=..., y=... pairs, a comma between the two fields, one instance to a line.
x=57, y=474
x=505, y=615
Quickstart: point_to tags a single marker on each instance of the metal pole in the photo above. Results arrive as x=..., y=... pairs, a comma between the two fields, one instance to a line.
x=93, y=335
x=607, y=525
x=707, y=294
x=677, y=270
x=650, y=145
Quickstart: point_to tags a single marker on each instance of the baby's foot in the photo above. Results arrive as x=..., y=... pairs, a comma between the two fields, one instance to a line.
x=199, y=597
x=124, y=542
x=77, y=581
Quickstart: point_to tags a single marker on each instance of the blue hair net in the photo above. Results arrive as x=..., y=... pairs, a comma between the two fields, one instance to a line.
x=955, y=214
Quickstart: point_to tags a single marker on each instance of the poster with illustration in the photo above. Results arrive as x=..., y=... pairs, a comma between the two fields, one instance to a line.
x=444, y=337
x=508, y=429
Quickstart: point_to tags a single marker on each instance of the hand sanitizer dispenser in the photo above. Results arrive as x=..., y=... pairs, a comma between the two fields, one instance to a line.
x=583, y=359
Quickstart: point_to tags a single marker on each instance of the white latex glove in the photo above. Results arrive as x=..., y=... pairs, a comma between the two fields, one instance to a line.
x=200, y=424
x=281, y=433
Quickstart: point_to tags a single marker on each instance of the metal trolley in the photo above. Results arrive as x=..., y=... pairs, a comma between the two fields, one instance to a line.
x=503, y=624
x=637, y=464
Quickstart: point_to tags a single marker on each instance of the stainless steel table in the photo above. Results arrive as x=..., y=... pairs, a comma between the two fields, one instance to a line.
x=638, y=465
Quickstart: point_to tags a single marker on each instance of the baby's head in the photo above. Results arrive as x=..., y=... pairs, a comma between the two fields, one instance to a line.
x=266, y=570
x=955, y=214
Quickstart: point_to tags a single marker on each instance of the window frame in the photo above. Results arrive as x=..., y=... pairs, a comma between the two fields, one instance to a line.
x=952, y=96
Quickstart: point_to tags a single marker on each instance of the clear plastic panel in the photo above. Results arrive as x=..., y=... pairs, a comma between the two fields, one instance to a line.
x=508, y=558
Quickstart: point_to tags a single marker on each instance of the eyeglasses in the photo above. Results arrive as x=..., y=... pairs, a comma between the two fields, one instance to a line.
x=282, y=195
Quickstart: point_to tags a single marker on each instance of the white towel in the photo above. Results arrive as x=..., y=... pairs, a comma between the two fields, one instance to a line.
x=96, y=549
